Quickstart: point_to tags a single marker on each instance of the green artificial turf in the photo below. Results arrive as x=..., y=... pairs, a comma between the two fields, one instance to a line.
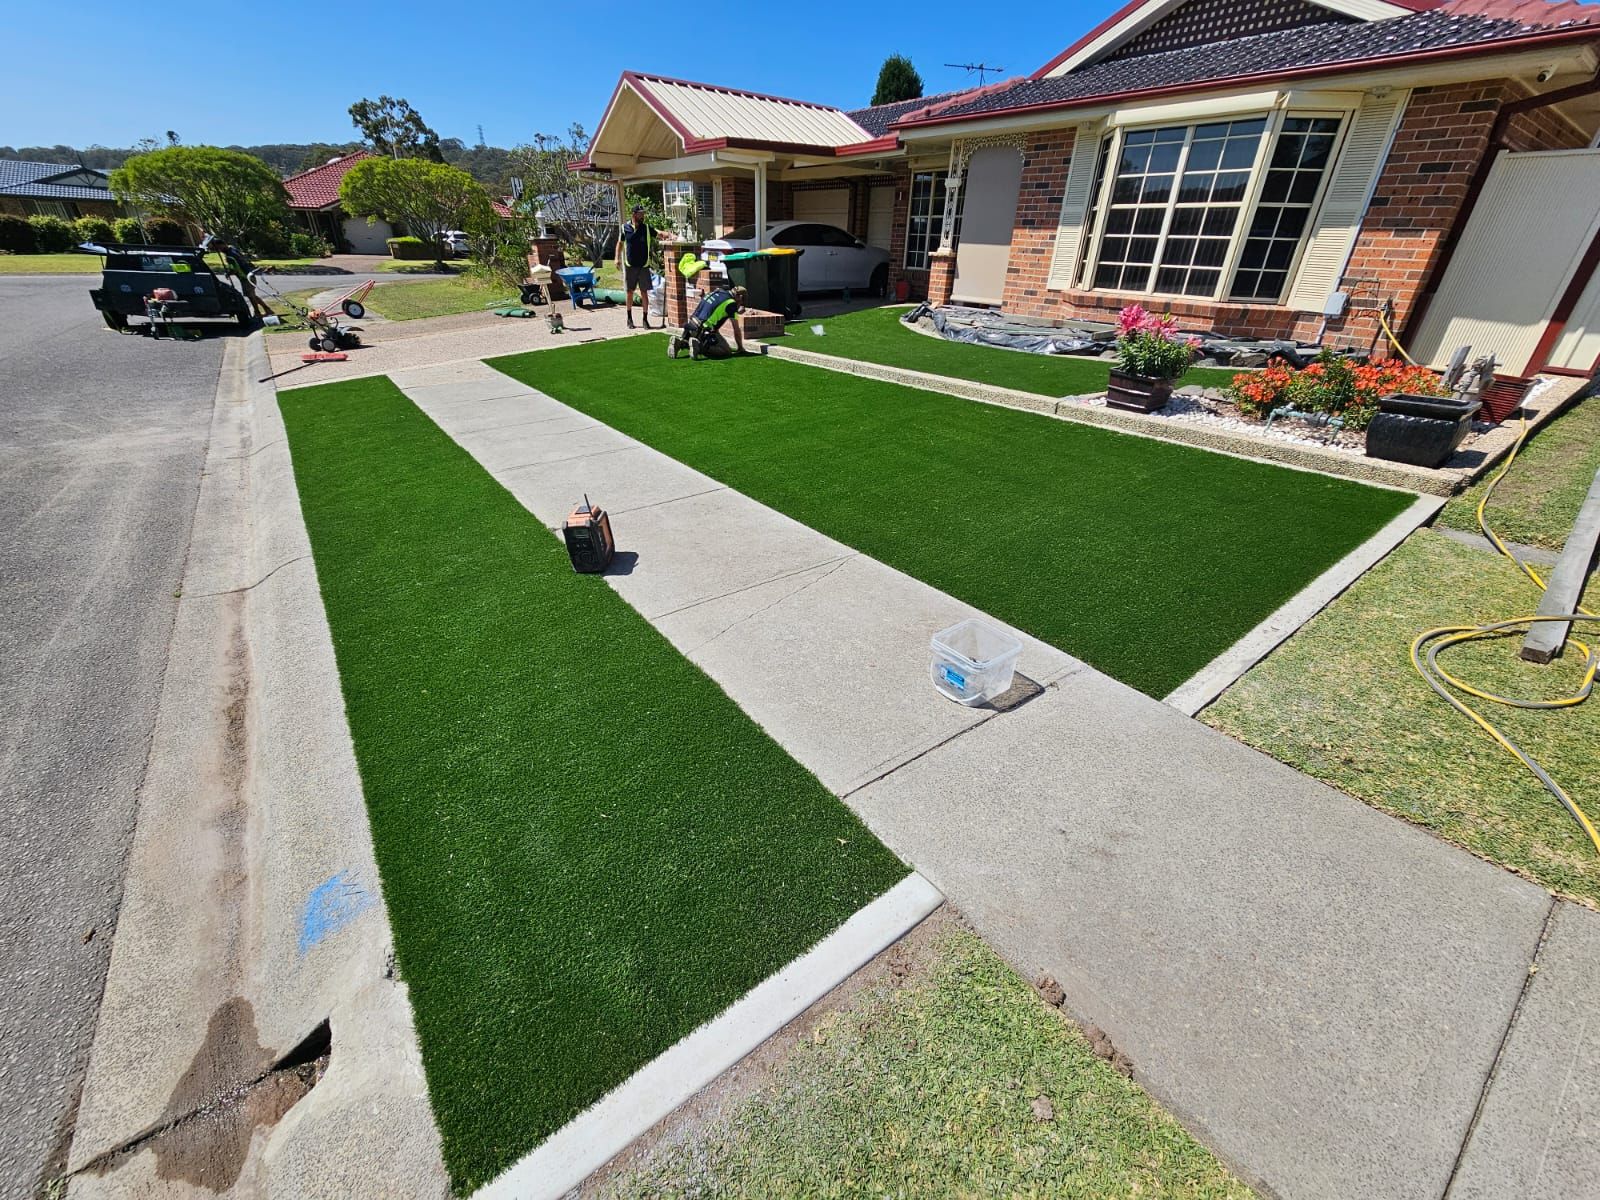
x=1144, y=558
x=876, y=335
x=958, y=1082
x=1341, y=701
x=587, y=849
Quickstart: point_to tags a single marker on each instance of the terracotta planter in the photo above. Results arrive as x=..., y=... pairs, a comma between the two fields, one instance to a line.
x=1137, y=393
x=1503, y=397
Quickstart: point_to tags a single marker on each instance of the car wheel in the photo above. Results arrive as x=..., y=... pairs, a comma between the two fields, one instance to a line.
x=354, y=309
x=879, y=286
x=114, y=320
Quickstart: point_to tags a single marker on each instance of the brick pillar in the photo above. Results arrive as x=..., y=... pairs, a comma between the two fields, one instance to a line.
x=679, y=303
x=546, y=251
x=941, y=276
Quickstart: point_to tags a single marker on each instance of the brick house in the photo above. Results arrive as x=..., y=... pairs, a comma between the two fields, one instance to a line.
x=56, y=190
x=314, y=199
x=1282, y=168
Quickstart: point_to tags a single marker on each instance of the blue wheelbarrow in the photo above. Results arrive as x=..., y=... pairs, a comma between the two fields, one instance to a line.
x=580, y=285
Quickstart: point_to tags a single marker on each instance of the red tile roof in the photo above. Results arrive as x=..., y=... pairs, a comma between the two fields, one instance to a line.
x=319, y=187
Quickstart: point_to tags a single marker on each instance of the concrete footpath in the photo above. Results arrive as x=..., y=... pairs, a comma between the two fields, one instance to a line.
x=1338, y=1003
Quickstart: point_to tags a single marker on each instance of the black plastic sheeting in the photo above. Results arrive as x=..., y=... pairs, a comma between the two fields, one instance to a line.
x=1040, y=335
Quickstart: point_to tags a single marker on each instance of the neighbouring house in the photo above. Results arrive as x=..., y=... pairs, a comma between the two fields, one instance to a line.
x=314, y=199
x=1277, y=168
x=56, y=190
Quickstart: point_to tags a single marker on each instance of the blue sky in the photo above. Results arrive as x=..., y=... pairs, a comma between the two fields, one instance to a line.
x=514, y=68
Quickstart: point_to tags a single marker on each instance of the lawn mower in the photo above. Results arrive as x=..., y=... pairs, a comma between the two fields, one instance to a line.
x=328, y=334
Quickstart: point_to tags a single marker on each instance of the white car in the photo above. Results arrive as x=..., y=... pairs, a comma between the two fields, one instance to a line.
x=455, y=242
x=830, y=258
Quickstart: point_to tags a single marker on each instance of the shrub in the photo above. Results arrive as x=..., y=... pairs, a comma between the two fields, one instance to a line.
x=127, y=230
x=164, y=231
x=16, y=235
x=408, y=248
x=1151, y=346
x=308, y=245
x=51, y=235
x=1334, y=385
x=93, y=229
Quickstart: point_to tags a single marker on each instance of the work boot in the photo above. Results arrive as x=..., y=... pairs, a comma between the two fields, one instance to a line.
x=644, y=319
x=630, y=318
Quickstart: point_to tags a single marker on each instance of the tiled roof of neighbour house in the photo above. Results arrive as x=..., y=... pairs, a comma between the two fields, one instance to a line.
x=877, y=118
x=1456, y=24
x=40, y=180
x=319, y=187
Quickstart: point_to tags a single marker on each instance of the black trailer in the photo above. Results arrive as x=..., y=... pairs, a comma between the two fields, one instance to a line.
x=165, y=284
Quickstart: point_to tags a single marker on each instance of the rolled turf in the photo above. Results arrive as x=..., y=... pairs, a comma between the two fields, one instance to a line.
x=1144, y=558
x=587, y=848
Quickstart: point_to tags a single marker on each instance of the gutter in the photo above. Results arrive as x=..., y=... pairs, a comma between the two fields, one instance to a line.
x=1580, y=33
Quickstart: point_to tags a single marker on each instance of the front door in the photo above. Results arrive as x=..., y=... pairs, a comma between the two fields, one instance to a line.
x=989, y=213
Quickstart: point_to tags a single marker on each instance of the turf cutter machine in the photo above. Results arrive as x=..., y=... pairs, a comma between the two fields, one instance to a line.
x=328, y=333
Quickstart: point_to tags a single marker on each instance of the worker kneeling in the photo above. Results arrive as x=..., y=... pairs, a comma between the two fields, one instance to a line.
x=702, y=333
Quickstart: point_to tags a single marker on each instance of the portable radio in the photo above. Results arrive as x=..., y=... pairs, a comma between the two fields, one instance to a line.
x=588, y=536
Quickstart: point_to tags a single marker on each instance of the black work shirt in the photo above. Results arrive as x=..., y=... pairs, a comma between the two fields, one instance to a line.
x=637, y=239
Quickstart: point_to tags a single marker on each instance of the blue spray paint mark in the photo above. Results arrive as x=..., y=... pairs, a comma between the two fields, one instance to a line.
x=331, y=906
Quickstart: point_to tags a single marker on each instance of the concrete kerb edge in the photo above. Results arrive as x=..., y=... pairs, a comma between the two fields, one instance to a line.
x=623, y=1115
x=1227, y=668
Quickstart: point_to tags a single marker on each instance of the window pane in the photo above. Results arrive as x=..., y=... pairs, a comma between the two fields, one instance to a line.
x=1299, y=160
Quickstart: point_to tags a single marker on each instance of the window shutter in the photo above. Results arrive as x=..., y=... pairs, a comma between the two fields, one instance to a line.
x=1074, y=206
x=1345, y=203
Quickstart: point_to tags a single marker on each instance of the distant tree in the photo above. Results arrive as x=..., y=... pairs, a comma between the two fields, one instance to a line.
x=317, y=154
x=224, y=192
x=426, y=197
x=897, y=80
x=394, y=129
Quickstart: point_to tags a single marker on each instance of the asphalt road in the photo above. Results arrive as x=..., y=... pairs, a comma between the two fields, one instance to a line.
x=102, y=438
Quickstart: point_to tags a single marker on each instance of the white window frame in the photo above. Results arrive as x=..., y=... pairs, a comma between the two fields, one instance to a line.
x=1100, y=204
x=935, y=216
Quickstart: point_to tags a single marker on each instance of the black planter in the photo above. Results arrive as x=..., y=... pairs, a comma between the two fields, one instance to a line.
x=1137, y=393
x=1421, y=430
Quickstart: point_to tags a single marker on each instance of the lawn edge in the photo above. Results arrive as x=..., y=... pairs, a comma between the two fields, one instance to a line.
x=609, y=1126
x=1227, y=668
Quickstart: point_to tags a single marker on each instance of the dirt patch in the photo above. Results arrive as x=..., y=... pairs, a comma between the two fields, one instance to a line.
x=203, y=1136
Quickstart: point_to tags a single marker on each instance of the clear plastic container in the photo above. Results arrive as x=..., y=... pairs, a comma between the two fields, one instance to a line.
x=973, y=661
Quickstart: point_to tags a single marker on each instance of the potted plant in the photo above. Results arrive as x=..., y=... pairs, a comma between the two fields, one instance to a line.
x=1151, y=356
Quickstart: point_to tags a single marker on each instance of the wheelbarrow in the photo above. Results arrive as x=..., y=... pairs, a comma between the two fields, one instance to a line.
x=580, y=285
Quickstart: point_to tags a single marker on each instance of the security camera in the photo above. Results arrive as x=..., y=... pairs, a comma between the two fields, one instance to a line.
x=1546, y=74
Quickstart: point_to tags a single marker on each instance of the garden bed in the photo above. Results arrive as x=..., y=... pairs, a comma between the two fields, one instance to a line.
x=587, y=849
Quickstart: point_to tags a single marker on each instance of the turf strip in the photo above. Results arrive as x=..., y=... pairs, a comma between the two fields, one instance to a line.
x=587, y=848
x=1144, y=558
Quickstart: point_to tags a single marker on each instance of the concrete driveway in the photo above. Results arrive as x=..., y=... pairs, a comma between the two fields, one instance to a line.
x=101, y=443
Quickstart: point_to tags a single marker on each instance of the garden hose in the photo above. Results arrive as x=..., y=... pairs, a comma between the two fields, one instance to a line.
x=1445, y=636
x=1383, y=319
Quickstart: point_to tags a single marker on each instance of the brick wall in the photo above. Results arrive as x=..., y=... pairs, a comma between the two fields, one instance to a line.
x=1443, y=135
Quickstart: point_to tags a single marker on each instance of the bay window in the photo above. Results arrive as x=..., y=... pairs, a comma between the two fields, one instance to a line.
x=1209, y=210
x=925, y=218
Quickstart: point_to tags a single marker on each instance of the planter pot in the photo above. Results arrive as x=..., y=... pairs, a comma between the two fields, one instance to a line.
x=1421, y=430
x=1503, y=397
x=1137, y=393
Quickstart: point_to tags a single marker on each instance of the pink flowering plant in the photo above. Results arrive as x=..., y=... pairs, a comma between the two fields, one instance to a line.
x=1151, y=346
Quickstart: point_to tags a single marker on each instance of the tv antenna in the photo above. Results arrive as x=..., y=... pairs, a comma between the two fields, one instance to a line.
x=979, y=69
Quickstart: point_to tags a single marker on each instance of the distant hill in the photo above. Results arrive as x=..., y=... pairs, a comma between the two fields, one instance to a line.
x=489, y=165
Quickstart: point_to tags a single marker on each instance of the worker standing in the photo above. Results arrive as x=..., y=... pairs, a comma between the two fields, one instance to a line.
x=633, y=260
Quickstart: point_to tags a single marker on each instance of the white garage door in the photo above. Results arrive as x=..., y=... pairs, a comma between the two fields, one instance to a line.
x=880, y=216
x=826, y=206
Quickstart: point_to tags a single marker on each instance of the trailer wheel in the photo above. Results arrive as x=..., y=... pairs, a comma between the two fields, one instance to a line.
x=354, y=309
x=115, y=320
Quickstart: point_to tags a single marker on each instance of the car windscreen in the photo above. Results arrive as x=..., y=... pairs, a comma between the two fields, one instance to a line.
x=742, y=234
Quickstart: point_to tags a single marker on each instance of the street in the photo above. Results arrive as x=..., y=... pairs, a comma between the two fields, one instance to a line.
x=102, y=438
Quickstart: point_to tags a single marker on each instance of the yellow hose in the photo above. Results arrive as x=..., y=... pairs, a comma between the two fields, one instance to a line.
x=1443, y=637
x=1383, y=319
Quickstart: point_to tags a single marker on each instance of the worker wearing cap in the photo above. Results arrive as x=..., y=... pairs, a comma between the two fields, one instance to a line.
x=633, y=260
